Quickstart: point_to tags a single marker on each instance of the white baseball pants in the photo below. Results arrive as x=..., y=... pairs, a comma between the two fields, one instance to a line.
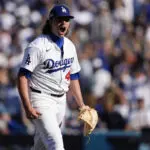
x=48, y=134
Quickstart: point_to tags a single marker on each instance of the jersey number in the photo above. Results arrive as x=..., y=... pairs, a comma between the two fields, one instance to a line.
x=67, y=76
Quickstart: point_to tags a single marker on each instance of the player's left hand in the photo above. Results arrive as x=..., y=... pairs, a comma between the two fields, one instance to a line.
x=89, y=118
x=84, y=107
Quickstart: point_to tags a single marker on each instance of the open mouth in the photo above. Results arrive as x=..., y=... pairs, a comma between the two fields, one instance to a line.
x=62, y=29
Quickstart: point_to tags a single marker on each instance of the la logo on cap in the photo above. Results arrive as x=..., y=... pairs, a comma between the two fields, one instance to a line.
x=63, y=9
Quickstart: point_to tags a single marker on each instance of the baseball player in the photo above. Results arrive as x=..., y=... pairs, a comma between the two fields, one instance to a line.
x=49, y=69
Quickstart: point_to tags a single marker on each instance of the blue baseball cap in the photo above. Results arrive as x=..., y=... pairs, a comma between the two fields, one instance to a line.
x=60, y=11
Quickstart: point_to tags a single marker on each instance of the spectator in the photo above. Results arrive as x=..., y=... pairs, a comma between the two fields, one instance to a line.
x=101, y=26
x=87, y=74
x=5, y=119
x=121, y=104
x=101, y=79
x=111, y=119
x=140, y=118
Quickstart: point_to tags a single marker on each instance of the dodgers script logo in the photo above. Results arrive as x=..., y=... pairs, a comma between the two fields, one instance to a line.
x=54, y=66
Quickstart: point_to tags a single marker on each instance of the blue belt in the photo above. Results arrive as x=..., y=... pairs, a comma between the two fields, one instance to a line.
x=38, y=91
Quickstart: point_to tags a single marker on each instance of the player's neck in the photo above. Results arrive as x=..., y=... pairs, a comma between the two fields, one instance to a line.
x=58, y=40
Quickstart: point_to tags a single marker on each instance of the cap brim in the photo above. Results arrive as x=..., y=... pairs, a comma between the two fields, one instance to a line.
x=70, y=17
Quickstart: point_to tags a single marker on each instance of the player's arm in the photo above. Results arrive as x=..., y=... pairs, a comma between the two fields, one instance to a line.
x=22, y=84
x=76, y=90
x=23, y=88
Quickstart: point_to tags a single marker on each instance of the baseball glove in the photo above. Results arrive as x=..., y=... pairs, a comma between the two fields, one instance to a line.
x=89, y=118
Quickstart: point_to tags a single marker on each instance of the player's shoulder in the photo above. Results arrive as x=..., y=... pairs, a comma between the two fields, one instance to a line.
x=40, y=41
x=69, y=42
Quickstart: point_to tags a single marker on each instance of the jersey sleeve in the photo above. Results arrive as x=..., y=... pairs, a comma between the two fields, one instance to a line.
x=31, y=59
x=75, y=76
x=75, y=65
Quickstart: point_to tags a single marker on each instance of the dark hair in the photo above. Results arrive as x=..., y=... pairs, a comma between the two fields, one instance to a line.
x=47, y=27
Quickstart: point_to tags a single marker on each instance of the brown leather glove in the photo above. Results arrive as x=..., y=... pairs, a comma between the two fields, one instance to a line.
x=90, y=119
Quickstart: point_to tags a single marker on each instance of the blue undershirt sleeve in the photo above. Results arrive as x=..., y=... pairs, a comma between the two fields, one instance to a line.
x=25, y=72
x=75, y=76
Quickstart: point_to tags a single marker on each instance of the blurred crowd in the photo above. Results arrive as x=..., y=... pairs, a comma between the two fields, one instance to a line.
x=112, y=38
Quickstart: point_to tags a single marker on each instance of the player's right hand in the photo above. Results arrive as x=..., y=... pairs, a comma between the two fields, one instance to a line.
x=32, y=113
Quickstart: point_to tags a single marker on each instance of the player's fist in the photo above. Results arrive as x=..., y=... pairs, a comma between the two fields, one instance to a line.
x=32, y=113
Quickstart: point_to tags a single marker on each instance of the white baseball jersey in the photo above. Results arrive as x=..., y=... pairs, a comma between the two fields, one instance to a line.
x=50, y=72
